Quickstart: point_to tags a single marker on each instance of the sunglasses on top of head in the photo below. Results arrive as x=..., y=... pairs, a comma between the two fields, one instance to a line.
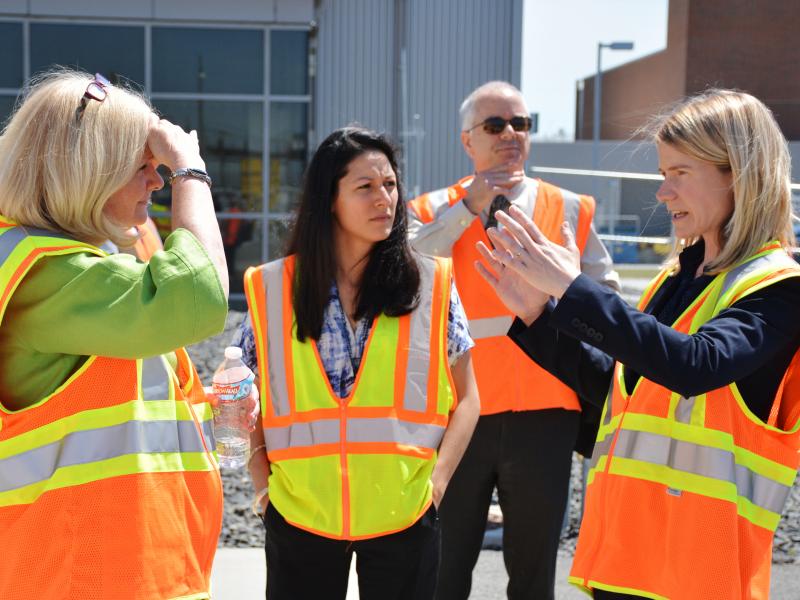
x=495, y=125
x=96, y=90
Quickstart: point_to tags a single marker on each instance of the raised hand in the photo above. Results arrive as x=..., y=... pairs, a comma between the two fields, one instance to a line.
x=172, y=146
x=541, y=263
x=489, y=183
x=521, y=298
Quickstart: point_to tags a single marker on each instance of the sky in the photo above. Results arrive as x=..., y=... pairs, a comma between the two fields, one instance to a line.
x=559, y=47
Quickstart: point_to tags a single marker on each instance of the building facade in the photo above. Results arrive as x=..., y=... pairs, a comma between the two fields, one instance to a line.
x=264, y=81
x=751, y=46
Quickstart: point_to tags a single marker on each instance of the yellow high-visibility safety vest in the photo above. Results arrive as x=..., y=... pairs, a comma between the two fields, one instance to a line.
x=357, y=467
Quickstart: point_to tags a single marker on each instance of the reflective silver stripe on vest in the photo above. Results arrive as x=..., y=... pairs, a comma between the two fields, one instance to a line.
x=298, y=435
x=415, y=393
x=9, y=241
x=684, y=408
x=394, y=431
x=706, y=461
x=489, y=327
x=208, y=434
x=601, y=449
x=273, y=284
x=609, y=405
x=84, y=447
x=17, y=233
x=155, y=379
x=326, y=431
x=777, y=259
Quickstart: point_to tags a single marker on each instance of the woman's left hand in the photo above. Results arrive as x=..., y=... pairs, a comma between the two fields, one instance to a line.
x=545, y=265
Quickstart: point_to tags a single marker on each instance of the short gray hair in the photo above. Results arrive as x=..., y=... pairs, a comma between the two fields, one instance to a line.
x=467, y=110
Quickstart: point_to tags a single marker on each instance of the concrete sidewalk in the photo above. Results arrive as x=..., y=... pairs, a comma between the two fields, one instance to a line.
x=239, y=574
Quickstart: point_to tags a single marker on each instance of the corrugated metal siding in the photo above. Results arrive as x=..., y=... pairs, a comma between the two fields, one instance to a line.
x=451, y=47
x=355, y=65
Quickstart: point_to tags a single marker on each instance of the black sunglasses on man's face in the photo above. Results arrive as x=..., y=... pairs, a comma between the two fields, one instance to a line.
x=495, y=125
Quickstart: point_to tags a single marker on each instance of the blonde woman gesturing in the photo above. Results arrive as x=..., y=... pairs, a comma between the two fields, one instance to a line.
x=698, y=446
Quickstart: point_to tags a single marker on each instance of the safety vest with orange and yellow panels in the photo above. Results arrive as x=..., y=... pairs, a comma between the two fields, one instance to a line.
x=684, y=494
x=355, y=467
x=109, y=486
x=507, y=379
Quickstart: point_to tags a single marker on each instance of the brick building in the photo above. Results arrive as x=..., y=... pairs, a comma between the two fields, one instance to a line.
x=744, y=44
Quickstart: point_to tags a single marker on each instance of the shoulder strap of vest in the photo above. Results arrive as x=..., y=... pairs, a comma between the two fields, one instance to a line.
x=652, y=288
x=426, y=205
x=769, y=265
x=585, y=216
x=550, y=205
x=548, y=211
x=21, y=247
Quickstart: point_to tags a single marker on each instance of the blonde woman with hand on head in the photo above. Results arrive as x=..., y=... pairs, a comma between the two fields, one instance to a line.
x=698, y=446
x=108, y=483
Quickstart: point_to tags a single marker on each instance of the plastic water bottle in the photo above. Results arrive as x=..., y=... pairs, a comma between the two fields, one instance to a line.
x=232, y=383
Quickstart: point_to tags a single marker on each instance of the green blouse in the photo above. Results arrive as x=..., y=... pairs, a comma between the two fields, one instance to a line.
x=73, y=306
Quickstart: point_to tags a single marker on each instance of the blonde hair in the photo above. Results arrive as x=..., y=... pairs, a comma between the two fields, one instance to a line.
x=58, y=171
x=737, y=133
x=467, y=110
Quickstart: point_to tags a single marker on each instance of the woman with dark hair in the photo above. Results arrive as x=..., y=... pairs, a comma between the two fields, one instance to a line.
x=361, y=348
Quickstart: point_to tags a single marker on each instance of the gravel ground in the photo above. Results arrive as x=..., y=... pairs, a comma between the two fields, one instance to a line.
x=240, y=528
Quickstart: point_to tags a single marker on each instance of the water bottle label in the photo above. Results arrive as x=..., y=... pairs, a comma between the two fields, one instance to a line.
x=227, y=392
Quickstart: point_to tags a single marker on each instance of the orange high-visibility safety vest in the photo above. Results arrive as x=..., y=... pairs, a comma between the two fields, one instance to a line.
x=684, y=494
x=507, y=378
x=109, y=487
x=357, y=467
x=149, y=241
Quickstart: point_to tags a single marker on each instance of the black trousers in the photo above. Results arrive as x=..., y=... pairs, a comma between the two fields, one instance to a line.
x=305, y=566
x=527, y=456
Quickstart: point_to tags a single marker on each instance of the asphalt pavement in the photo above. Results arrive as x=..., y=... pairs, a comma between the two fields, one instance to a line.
x=240, y=574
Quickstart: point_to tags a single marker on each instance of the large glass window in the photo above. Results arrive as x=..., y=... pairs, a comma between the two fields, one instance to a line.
x=288, y=149
x=10, y=55
x=218, y=61
x=231, y=142
x=115, y=51
x=289, y=62
x=243, y=248
x=210, y=79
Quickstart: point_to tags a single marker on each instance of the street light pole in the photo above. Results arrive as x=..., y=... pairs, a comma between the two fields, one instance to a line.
x=598, y=90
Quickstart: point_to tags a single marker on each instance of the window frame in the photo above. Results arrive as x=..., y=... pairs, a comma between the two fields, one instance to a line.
x=265, y=216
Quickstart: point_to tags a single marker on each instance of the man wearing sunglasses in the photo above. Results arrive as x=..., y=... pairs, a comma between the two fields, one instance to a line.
x=529, y=420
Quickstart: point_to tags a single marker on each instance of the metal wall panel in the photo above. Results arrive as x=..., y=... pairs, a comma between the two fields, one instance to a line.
x=404, y=66
x=355, y=75
x=453, y=47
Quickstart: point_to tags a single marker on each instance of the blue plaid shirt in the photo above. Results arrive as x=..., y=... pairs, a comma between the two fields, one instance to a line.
x=341, y=348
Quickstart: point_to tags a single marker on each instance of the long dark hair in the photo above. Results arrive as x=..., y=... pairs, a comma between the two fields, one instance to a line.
x=390, y=282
